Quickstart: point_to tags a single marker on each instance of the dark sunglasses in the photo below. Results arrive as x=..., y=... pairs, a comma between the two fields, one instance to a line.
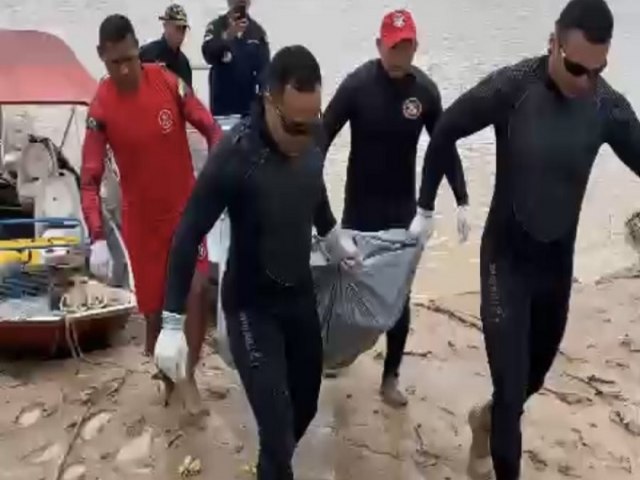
x=578, y=70
x=295, y=128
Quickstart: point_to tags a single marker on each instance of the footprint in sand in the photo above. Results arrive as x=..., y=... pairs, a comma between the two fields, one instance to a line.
x=95, y=424
x=135, y=428
x=30, y=414
x=136, y=450
x=45, y=454
x=75, y=472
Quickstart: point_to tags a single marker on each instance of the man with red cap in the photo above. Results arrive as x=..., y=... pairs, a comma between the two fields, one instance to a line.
x=387, y=101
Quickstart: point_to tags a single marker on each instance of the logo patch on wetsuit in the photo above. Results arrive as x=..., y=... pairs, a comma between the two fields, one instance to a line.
x=165, y=119
x=411, y=108
x=399, y=20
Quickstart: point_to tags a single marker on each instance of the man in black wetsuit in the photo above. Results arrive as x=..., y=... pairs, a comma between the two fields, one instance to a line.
x=167, y=49
x=551, y=115
x=267, y=172
x=387, y=102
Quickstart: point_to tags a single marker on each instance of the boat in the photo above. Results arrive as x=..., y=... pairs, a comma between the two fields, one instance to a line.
x=43, y=235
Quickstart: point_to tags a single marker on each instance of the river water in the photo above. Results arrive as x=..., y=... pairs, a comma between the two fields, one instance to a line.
x=461, y=40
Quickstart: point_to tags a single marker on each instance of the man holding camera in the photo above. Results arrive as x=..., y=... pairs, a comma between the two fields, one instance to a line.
x=236, y=47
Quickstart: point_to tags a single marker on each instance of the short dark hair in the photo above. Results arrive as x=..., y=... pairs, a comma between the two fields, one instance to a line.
x=592, y=17
x=294, y=65
x=114, y=29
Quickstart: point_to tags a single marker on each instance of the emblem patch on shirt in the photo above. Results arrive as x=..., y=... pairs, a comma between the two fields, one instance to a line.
x=227, y=57
x=398, y=20
x=411, y=108
x=165, y=119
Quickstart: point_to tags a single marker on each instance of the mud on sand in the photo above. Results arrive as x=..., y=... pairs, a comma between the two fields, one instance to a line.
x=103, y=418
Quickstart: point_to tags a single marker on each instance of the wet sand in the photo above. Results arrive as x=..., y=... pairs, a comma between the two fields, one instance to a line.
x=585, y=424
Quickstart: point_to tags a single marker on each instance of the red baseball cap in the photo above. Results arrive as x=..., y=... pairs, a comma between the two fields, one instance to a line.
x=396, y=27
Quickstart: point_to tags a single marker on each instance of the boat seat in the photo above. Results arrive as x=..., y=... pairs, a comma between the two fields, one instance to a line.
x=37, y=162
x=58, y=196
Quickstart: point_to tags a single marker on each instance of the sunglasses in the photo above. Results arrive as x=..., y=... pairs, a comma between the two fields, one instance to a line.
x=296, y=128
x=578, y=70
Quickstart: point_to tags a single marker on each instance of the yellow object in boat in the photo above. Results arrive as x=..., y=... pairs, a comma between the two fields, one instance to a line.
x=28, y=251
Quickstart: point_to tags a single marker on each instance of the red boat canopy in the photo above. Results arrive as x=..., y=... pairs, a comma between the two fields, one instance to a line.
x=40, y=68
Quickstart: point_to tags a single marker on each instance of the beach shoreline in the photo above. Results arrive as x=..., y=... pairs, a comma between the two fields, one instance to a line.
x=584, y=424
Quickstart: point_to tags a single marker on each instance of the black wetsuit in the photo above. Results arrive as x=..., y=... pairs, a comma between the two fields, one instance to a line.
x=268, y=294
x=386, y=118
x=546, y=146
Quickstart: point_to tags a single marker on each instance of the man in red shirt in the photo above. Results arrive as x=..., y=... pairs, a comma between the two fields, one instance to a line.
x=141, y=114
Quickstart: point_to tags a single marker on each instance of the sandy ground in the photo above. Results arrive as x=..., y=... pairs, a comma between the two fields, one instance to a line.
x=104, y=415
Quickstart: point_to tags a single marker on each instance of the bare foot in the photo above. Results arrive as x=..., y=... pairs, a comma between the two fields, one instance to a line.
x=480, y=466
x=191, y=397
x=168, y=385
x=194, y=412
x=391, y=394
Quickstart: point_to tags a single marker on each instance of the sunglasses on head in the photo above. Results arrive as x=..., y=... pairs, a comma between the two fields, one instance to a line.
x=578, y=70
x=296, y=128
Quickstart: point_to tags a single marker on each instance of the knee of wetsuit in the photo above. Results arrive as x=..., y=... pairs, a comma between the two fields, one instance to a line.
x=508, y=406
x=509, y=412
x=535, y=385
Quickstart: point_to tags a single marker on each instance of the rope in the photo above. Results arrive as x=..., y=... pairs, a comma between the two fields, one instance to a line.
x=72, y=304
x=72, y=339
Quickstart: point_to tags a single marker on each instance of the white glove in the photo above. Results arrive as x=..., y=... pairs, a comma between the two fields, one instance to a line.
x=342, y=249
x=463, y=224
x=100, y=261
x=422, y=225
x=171, y=352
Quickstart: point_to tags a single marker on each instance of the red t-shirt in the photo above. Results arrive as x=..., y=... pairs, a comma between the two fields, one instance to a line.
x=146, y=131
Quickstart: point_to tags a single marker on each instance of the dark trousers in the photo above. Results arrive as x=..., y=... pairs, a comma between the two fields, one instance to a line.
x=525, y=292
x=277, y=349
x=396, y=342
